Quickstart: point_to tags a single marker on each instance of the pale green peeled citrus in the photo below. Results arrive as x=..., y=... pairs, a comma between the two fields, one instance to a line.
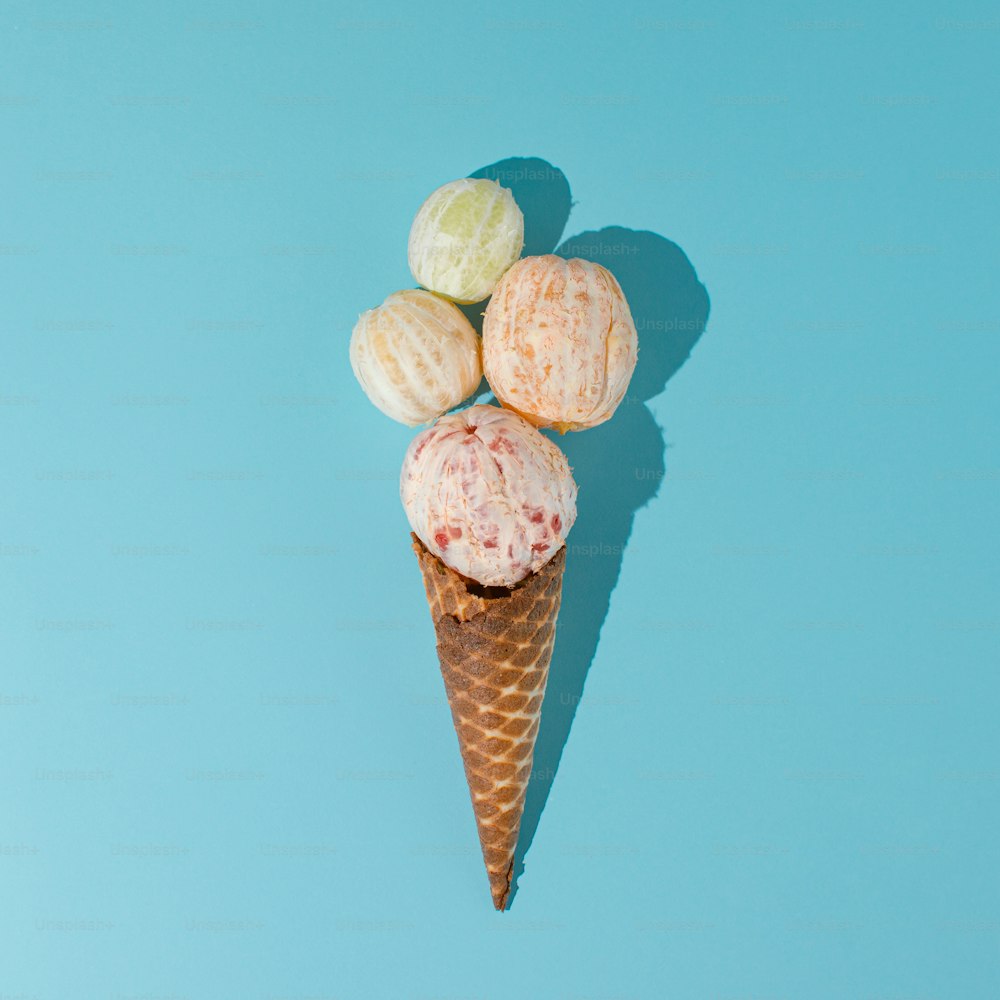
x=465, y=236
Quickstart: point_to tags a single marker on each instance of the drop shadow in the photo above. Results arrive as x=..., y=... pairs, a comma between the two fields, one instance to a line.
x=619, y=467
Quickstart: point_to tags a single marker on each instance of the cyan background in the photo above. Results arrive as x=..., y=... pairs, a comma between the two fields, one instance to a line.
x=227, y=769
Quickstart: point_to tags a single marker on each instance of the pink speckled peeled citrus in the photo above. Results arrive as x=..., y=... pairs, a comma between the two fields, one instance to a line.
x=488, y=494
x=559, y=344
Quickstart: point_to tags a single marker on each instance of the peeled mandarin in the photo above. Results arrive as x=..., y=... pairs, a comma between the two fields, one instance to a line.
x=559, y=344
x=466, y=234
x=416, y=356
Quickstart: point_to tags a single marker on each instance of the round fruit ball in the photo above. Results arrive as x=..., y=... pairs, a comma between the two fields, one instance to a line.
x=416, y=356
x=466, y=234
x=559, y=344
x=488, y=494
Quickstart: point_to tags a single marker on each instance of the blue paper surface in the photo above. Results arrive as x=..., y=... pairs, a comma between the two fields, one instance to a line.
x=769, y=765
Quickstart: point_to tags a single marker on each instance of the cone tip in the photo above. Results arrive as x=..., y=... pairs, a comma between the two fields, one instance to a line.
x=500, y=887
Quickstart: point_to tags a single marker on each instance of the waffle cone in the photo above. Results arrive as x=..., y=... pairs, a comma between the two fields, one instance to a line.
x=494, y=645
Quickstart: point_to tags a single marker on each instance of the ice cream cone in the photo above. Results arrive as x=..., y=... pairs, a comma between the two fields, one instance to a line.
x=494, y=645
